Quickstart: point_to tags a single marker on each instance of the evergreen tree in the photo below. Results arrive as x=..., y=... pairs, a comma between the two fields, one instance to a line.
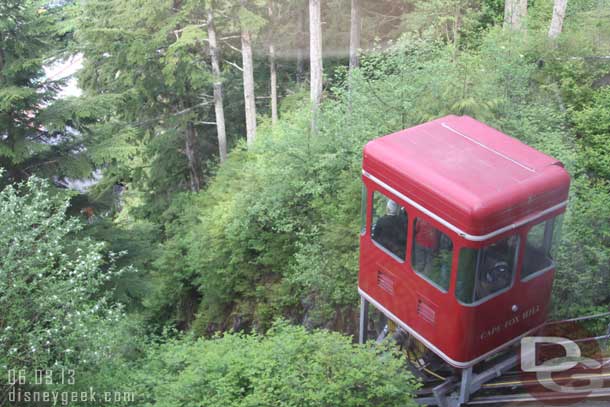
x=33, y=137
x=147, y=62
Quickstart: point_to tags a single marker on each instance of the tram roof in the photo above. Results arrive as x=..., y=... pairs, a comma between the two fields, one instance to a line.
x=468, y=173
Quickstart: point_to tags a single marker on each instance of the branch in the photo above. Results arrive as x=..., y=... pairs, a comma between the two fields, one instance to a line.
x=233, y=47
x=233, y=64
x=182, y=29
x=40, y=164
x=591, y=57
x=179, y=113
x=378, y=14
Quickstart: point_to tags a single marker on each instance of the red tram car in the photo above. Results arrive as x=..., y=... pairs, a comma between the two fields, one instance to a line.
x=458, y=227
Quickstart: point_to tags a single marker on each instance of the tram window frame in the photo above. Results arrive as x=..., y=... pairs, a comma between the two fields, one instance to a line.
x=416, y=246
x=364, y=209
x=376, y=217
x=475, y=274
x=551, y=236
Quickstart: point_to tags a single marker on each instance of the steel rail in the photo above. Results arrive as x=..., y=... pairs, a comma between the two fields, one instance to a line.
x=500, y=385
x=525, y=398
x=578, y=319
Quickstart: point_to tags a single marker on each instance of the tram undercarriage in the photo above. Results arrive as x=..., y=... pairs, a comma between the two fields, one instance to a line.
x=495, y=380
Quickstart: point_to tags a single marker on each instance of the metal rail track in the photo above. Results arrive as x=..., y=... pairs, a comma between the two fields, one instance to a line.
x=501, y=377
x=528, y=398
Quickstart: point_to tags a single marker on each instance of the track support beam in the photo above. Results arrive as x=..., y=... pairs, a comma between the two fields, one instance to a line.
x=364, y=321
x=465, y=386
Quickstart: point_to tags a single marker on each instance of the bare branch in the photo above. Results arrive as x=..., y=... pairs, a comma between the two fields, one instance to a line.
x=196, y=26
x=234, y=48
x=230, y=37
x=179, y=113
x=234, y=65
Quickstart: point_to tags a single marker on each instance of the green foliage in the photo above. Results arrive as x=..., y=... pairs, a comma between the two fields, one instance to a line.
x=593, y=125
x=583, y=277
x=288, y=367
x=492, y=13
x=444, y=19
x=54, y=285
x=149, y=59
x=33, y=138
x=249, y=20
x=138, y=241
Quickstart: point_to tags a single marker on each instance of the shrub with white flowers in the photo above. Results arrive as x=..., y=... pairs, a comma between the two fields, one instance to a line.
x=53, y=295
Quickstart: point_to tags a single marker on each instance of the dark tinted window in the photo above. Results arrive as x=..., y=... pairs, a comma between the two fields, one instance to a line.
x=389, y=226
x=538, y=256
x=432, y=254
x=487, y=271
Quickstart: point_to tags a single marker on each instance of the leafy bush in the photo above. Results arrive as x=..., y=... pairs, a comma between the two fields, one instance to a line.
x=54, y=288
x=593, y=125
x=288, y=367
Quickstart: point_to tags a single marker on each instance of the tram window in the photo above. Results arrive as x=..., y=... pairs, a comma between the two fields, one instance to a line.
x=432, y=254
x=539, y=251
x=389, y=225
x=487, y=271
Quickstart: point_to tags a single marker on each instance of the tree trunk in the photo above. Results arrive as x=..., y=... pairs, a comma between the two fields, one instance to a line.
x=272, y=68
x=218, y=93
x=192, y=157
x=522, y=13
x=301, y=45
x=315, y=52
x=515, y=12
x=1, y=55
x=354, y=36
x=559, y=12
x=248, y=68
x=273, y=73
